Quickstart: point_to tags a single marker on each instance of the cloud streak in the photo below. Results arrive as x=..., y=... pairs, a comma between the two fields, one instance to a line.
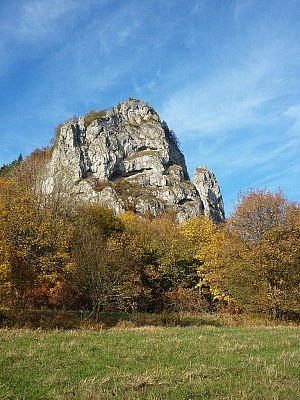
x=225, y=77
x=245, y=118
x=234, y=98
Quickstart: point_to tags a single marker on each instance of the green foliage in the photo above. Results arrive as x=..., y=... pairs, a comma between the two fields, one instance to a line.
x=166, y=261
x=7, y=169
x=105, y=271
x=126, y=188
x=92, y=217
x=170, y=134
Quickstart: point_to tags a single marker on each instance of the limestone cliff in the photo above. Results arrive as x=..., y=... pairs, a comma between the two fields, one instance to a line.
x=209, y=191
x=127, y=158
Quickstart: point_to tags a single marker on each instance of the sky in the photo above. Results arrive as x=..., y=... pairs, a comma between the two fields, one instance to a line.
x=223, y=74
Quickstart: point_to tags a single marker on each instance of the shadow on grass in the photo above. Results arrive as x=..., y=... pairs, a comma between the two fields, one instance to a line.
x=164, y=319
x=55, y=319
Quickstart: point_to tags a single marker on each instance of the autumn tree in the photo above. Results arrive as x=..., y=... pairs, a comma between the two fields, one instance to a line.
x=258, y=262
x=141, y=248
x=33, y=245
x=105, y=270
x=177, y=265
x=8, y=169
x=204, y=238
x=167, y=263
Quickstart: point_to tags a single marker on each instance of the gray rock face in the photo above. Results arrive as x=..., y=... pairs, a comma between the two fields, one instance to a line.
x=209, y=191
x=127, y=158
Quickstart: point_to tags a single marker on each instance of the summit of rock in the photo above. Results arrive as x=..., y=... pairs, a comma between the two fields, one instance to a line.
x=126, y=158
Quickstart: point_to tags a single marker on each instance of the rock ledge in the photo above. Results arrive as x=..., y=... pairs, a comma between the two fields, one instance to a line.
x=126, y=158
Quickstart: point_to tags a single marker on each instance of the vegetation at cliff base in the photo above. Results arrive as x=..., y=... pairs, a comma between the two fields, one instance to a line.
x=7, y=169
x=145, y=308
x=57, y=255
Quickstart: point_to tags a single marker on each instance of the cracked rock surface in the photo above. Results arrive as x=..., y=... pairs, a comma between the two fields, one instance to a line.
x=126, y=158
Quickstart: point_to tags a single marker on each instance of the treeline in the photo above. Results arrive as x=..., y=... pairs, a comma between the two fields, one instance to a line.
x=6, y=169
x=59, y=255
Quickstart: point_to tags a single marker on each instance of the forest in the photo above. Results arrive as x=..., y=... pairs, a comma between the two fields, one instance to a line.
x=55, y=254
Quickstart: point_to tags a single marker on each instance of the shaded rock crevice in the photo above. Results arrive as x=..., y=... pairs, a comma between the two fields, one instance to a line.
x=131, y=145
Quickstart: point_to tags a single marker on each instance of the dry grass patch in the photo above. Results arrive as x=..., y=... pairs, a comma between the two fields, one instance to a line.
x=202, y=362
x=140, y=381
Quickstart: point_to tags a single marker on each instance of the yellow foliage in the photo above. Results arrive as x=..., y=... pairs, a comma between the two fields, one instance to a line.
x=32, y=240
x=258, y=260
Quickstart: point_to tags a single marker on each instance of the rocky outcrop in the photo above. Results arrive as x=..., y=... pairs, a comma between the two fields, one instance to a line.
x=127, y=158
x=209, y=191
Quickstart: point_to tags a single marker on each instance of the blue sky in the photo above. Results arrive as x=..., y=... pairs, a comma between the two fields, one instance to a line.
x=224, y=74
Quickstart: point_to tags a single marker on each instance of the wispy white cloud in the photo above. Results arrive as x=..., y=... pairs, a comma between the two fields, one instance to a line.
x=234, y=98
x=33, y=20
x=38, y=19
x=198, y=7
x=243, y=121
x=241, y=7
x=29, y=26
x=225, y=77
x=287, y=179
x=293, y=113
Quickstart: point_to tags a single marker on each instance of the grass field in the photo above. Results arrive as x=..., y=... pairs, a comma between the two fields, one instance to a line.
x=202, y=362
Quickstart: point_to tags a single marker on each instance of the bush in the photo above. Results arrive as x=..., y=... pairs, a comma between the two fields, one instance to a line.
x=182, y=299
x=170, y=134
x=100, y=185
x=93, y=115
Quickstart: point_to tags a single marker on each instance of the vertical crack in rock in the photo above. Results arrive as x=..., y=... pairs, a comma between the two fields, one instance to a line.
x=127, y=158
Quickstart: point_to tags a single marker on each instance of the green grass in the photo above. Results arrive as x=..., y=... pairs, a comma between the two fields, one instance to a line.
x=202, y=362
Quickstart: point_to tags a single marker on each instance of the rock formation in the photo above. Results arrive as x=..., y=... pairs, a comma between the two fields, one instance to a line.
x=127, y=158
x=210, y=194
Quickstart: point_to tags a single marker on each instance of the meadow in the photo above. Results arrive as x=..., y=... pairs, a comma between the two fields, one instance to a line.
x=151, y=362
